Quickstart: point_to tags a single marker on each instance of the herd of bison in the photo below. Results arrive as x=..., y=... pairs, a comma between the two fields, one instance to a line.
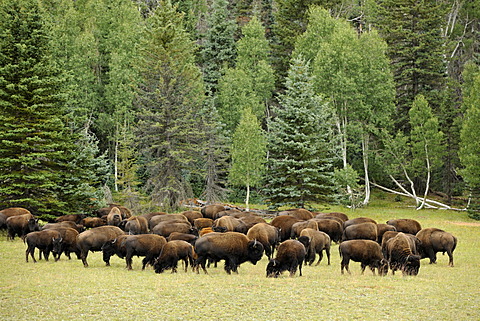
x=216, y=233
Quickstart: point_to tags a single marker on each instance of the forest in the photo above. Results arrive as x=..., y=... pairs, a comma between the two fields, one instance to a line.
x=285, y=103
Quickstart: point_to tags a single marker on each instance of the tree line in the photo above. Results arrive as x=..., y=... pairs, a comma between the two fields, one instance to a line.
x=293, y=103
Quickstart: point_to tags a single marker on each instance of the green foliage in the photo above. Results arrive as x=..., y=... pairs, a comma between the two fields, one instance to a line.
x=300, y=163
x=169, y=133
x=347, y=177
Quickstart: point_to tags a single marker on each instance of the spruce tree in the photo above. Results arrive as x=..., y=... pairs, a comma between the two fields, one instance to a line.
x=40, y=167
x=300, y=161
x=169, y=132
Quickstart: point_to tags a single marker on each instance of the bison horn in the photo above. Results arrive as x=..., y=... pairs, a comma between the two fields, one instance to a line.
x=255, y=243
x=113, y=242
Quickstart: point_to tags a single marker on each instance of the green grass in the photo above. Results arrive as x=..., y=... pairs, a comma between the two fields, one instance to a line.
x=66, y=290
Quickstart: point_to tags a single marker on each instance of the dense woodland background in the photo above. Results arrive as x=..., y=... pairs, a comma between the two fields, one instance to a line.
x=290, y=103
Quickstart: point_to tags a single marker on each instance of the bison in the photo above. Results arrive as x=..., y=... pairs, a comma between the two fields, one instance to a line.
x=251, y=220
x=406, y=225
x=266, y=234
x=134, y=225
x=319, y=241
x=65, y=243
x=187, y=237
x=114, y=217
x=11, y=211
x=381, y=229
x=285, y=223
x=167, y=227
x=64, y=224
x=358, y=220
x=299, y=226
x=361, y=231
x=171, y=253
x=43, y=240
x=93, y=240
x=333, y=228
x=367, y=252
x=91, y=222
x=290, y=256
x=21, y=225
x=192, y=215
x=400, y=254
x=154, y=221
x=299, y=213
x=434, y=240
x=231, y=223
x=148, y=245
x=233, y=247
x=210, y=211
x=202, y=222
x=77, y=218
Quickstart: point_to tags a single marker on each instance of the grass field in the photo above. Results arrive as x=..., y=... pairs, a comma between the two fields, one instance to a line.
x=66, y=290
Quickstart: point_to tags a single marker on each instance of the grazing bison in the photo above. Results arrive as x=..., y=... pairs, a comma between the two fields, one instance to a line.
x=266, y=234
x=381, y=229
x=43, y=240
x=12, y=211
x=361, y=231
x=211, y=211
x=135, y=225
x=333, y=228
x=434, y=240
x=93, y=240
x=367, y=252
x=319, y=241
x=167, y=227
x=233, y=247
x=114, y=217
x=400, y=254
x=114, y=247
x=91, y=222
x=358, y=220
x=77, y=218
x=299, y=213
x=148, y=245
x=171, y=253
x=285, y=223
x=299, y=226
x=187, y=237
x=406, y=225
x=21, y=225
x=290, y=256
x=66, y=243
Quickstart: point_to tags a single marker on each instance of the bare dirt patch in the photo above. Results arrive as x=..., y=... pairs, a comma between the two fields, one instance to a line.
x=464, y=223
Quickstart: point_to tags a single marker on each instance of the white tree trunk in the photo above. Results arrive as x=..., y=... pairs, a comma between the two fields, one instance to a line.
x=247, y=199
x=365, y=143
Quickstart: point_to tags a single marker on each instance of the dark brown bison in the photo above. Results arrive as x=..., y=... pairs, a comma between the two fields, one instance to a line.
x=231, y=223
x=251, y=220
x=299, y=213
x=290, y=256
x=149, y=216
x=210, y=211
x=299, y=226
x=266, y=234
x=148, y=245
x=406, y=225
x=381, y=229
x=319, y=242
x=434, y=240
x=361, y=231
x=367, y=252
x=12, y=211
x=64, y=224
x=91, y=222
x=327, y=217
x=233, y=247
x=93, y=239
x=167, y=227
x=135, y=225
x=66, y=243
x=333, y=228
x=171, y=253
x=192, y=215
x=21, y=225
x=187, y=237
x=358, y=220
x=154, y=221
x=285, y=223
x=43, y=240
x=114, y=247
x=77, y=218
x=400, y=254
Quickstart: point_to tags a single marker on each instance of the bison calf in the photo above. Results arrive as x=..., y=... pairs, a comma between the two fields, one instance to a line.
x=171, y=253
x=367, y=252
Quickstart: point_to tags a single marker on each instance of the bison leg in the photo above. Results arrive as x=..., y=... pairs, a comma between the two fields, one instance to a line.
x=320, y=257
x=30, y=250
x=83, y=257
x=450, y=258
x=344, y=264
x=363, y=265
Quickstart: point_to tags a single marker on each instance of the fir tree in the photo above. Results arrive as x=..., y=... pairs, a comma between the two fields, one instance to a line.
x=300, y=162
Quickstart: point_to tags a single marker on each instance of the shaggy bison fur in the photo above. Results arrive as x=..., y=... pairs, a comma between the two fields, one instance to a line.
x=290, y=256
x=367, y=252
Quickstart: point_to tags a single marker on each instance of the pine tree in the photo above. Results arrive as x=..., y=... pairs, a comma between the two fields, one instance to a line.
x=169, y=131
x=248, y=153
x=40, y=167
x=300, y=162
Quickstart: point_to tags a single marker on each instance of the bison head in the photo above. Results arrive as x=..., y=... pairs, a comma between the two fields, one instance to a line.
x=412, y=265
x=273, y=269
x=57, y=245
x=255, y=251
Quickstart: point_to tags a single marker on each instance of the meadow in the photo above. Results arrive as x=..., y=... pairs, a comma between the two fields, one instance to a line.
x=66, y=290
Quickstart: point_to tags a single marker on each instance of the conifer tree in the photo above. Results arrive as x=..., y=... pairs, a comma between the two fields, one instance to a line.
x=300, y=162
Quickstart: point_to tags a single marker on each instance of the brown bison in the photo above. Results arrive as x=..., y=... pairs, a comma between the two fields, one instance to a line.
x=125, y=212
x=12, y=211
x=91, y=222
x=333, y=228
x=148, y=245
x=66, y=243
x=171, y=253
x=64, y=224
x=266, y=234
x=290, y=256
x=77, y=218
x=367, y=252
x=406, y=225
x=187, y=237
x=114, y=217
x=93, y=240
x=319, y=241
x=358, y=220
x=168, y=227
x=285, y=223
x=400, y=254
x=231, y=223
x=202, y=222
x=251, y=220
x=192, y=215
x=43, y=240
x=154, y=221
x=211, y=211
x=135, y=225
x=434, y=240
x=299, y=226
x=299, y=213
x=21, y=225
x=233, y=247
x=381, y=229
x=361, y=231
